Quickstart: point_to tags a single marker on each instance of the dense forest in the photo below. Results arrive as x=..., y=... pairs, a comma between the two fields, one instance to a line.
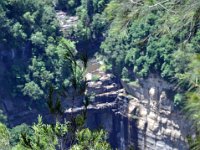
x=46, y=65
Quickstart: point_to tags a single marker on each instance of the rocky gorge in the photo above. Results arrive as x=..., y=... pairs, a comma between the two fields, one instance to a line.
x=135, y=116
x=139, y=117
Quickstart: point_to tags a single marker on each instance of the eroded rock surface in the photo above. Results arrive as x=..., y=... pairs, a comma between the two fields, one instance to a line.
x=139, y=117
x=150, y=114
x=156, y=128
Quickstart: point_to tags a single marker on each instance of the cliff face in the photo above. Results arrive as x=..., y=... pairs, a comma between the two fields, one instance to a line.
x=135, y=116
x=150, y=113
x=139, y=117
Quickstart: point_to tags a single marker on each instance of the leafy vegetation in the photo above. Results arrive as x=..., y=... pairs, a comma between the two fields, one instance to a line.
x=91, y=140
x=50, y=137
x=4, y=136
x=28, y=27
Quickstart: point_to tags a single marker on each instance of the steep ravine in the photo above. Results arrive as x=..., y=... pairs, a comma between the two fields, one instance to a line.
x=139, y=117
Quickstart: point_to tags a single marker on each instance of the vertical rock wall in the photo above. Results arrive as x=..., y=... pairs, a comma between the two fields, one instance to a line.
x=158, y=124
x=143, y=116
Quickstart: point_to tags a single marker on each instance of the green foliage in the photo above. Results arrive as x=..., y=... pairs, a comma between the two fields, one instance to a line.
x=15, y=133
x=50, y=137
x=191, y=78
x=143, y=36
x=18, y=31
x=27, y=29
x=89, y=140
x=50, y=70
x=4, y=137
x=25, y=18
x=178, y=100
x=44, y=136
x=3, y=117
x=54, y=106
x=38, y=39
x=33, y=90
x=116, y=51
x=194, y=143
x=125, y=74
x=91, y=23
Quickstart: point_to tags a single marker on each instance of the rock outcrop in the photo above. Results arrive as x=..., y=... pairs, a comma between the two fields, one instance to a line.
x=159, y=125
x=139, y=117
x=66, y=22
x=155, y=128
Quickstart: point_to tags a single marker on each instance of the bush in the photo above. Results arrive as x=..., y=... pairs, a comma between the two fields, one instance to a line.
x=178, y=100
x=16, y=132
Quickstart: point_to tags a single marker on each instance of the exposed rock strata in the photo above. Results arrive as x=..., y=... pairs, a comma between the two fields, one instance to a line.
x=140, y=117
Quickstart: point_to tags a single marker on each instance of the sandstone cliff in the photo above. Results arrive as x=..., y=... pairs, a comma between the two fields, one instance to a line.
x=139, y=117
